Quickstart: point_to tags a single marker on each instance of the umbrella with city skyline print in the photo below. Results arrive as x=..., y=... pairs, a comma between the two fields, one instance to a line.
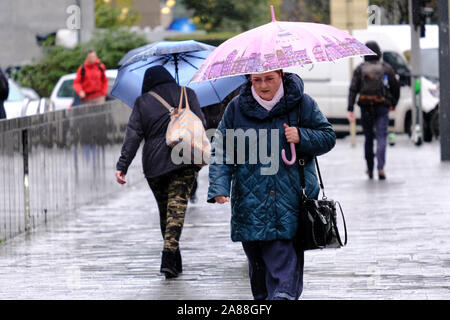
x=279, y=45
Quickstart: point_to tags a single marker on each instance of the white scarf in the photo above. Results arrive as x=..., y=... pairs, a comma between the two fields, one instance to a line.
x=268, y=105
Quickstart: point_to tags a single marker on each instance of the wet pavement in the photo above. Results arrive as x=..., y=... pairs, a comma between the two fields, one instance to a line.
x=398, y=241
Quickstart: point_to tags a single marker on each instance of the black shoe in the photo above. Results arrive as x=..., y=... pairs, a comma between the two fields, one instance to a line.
x=178, y=262
x=369, y=174
x=381, y=175
x=193, y=198
x=168, y=264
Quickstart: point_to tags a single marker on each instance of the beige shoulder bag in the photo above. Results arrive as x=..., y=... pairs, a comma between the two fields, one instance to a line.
x=186, y=130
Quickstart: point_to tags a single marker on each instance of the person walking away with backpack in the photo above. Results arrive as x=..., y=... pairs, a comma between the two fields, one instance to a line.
x=91, y=83
x=170, y=183
x=376, y=83
x=4, y=92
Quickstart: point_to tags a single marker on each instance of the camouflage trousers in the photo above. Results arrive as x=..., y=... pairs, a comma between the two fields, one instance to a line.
x=172, y=192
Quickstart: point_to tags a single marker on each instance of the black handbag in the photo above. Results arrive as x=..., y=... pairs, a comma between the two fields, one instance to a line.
x=317, y=225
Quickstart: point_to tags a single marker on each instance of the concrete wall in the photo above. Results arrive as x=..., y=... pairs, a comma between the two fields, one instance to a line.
x=53, y=163
x=22, y=20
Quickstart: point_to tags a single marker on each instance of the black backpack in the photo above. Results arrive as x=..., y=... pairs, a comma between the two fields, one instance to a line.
x=83, y=71
x=372, y=75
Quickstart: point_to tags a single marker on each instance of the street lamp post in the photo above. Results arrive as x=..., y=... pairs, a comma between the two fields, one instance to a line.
x=416, y=69
x=81, y=24
x=444, y=79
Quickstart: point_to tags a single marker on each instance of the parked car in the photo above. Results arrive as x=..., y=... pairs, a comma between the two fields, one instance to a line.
x=30, y=93
x=430, y=70
x=24, y=102
x=63, y=94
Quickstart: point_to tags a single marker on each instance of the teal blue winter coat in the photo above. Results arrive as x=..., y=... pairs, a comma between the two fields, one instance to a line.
x=265, y=206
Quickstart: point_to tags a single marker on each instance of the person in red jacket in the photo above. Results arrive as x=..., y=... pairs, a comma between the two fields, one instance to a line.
x=91, y=83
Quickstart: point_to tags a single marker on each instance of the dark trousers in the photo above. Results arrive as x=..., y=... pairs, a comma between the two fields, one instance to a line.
x=172, y=192
x=194, y=189
x=2, y=111
x=275, y=269
x=375, y=122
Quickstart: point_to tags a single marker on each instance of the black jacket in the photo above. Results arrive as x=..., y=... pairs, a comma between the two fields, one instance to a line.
x=394, y=88
x=149, y=120
x=4, y=91
x=355, y=86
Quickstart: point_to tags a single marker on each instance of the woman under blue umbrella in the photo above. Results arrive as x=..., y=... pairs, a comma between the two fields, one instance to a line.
x=170, y=183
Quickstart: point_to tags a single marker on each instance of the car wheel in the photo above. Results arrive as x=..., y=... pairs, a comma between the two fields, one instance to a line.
x=418, y=142
x=427, y=133
x=434, y=123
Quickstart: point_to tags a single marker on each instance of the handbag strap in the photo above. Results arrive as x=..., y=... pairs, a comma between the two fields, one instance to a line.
x=183, y=94
x=336, y=228
x=320, y=178
x=163, y=102
x=301, y=162
x=184, y=91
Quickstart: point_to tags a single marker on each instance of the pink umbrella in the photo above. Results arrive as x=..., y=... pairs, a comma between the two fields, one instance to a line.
x=277, y=45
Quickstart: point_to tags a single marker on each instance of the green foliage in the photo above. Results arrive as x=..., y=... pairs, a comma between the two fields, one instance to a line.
x=307, y=10
x=110, y=45
x=231, y=15
x=397, y=12
x=213, y=38
x=111, y=17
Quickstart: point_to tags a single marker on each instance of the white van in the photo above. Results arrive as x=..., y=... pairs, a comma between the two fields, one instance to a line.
x=328, y=83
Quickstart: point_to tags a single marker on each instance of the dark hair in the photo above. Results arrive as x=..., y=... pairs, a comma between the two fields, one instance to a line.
x=90, y=51
x=373, y=45
x=155, y=76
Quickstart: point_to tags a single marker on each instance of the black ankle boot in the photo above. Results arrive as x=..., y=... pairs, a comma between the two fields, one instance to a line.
x=178, y=262
x=168, y=264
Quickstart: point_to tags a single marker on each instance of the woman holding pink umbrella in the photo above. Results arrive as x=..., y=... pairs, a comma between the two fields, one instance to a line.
x=265, y=203
x=265, y=207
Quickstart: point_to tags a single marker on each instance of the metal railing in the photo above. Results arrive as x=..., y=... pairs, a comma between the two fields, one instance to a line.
x=55, y=162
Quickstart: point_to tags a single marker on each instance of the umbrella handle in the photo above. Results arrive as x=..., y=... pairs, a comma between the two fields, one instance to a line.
x=272, y=12
x=293, y=153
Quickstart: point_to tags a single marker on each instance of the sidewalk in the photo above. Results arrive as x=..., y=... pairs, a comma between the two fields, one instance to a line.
x=398, y=241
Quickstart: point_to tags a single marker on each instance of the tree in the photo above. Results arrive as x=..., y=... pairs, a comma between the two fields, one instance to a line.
x=397, y=12
x=111, y=16
x=394, y=12
x=307, y=10
x=231, y=15
x=111, y=42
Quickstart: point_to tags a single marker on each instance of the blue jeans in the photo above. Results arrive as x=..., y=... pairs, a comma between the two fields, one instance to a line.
x=275, y=269
x=375, y=122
